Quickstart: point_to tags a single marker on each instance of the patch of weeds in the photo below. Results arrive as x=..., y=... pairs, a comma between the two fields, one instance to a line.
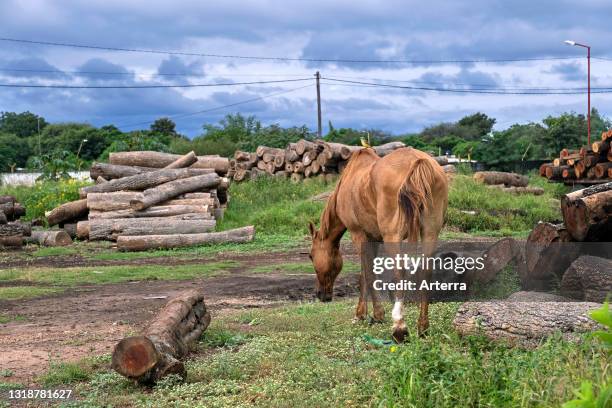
x=65, y=373
x=55, y=251
x=218, y=337
x=6, y=373
x=8, y=318
x=25, y=292
x=505, y=283
x=5, y=386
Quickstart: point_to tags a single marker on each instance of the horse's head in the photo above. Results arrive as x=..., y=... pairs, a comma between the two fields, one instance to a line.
x=327, y=262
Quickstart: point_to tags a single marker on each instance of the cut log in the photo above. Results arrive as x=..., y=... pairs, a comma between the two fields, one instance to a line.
x=601, y=169
x=303, y=146
x=309, y=157
x=183, y=161
x=262, y=150
x=525, y=323
x=242, y=174
x=290, y=154
x=50, y=238
x=11, y=241
x=210, y=202
x=161, y=160
x=289, y=167
x=606, y=135
x=549, y=250
x=591, y=160
x=143, y=181
x=101, y=180
x=268, y=157
x=256, y=173
x=12, y=210
x=499, y=177
x=602, y=146
x=279, y=161
x=530, y=296
x=7, y=199
x=174, y=188
x=242, y=156
x=115, y=171
x=68, y=211
x=580, y=169
x=82, y=230
x=270, y=168
x=589, y=278
x=156, y=211
x=119, y=200
x=388, y=148
x=502, y=253
x=308, y=172
x=587, y=213
x=110, y=229
x=3, y=219
x=520, y=190
x=555, y=173
x=170, y=336
x=568, y=173
x=71, y=230
x=298, y=167
x=441, y=160
x=11, y=235
x=141, y=243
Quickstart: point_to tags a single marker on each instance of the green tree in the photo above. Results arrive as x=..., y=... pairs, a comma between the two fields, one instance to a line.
x=478, y=123
x=164, y=126
x=23, y=124
x=566, y=131
x=14, y=152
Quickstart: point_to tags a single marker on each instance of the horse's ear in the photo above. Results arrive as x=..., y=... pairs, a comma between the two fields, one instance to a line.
x=312, y=229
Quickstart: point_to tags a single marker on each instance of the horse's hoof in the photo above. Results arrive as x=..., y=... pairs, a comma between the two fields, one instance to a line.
x=399, y=334
x=357, y=319
x=375, y=320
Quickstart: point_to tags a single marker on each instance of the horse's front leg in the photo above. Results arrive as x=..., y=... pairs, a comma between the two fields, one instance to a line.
x=361, y=312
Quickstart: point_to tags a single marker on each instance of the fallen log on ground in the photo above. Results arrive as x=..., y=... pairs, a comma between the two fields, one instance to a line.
x=156, y=211
x=143, y=181
x=500, y=177
x=156, y=353
x=587, y=213
x=82, y=230
x=116, y=171
x=388, y=148
x=183, y=161
x=142, y=243
x=549, y=250
x=12, y=234
x=12, y=210
x=519, y=190
x=51, y=238
x=69, y=211
x=525, y=323
x=71, y=229
x=174, y=188
x=588, y=278
x=110, y=229
x=3, y=219
x=530, y=296
x=498, y=256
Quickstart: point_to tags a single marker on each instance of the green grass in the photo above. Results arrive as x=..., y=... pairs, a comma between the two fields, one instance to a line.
x=311, y=355
x=8, y=318
x=301, y=268
x=274, y=206
x=499, y=213
x=42, y=252
x=25, y=292
x=115, y=274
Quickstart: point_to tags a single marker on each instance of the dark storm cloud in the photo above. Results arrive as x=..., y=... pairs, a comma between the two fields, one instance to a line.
x=31, y=67
x=569, y=71
x=465, y=78
x=176, y=65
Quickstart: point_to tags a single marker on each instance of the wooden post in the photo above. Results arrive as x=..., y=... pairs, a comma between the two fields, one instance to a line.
x=319, y=126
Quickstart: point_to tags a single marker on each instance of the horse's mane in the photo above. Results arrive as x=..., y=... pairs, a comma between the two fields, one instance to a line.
x=330, y=208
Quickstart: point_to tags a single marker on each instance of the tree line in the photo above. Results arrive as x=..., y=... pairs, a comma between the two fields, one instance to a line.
x=28, y=141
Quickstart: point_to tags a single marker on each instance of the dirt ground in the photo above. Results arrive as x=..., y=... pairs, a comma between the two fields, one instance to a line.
x=89, y=319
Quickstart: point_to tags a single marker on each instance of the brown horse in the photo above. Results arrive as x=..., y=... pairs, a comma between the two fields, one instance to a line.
x=398, y=198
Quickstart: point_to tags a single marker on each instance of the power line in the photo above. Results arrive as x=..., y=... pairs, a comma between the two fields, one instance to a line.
x=249, y=57
x=474, y=91
x=181, y=115
x=134, y=73
x=150, y=86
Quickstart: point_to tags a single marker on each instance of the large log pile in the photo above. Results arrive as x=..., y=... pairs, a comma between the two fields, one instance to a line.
x=147, y=195
x=587, y=165
x=12, y=230
x=298, y=161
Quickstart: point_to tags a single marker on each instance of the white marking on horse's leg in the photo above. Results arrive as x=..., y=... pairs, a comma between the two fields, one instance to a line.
x=397, y=314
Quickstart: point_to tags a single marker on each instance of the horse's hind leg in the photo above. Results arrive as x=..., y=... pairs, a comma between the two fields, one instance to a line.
x=429, y=237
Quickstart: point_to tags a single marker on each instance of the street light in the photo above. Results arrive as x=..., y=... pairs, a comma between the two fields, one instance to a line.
x=79, y=152
x=574, y=43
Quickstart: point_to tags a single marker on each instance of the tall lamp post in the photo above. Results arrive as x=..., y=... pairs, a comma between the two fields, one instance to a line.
x=79, y=152
x=574, y=43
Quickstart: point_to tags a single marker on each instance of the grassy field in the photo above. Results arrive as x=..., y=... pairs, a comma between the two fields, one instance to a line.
x=311, y=355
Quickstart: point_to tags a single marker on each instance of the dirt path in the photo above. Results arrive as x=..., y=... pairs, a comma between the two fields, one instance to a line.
x=90, y=319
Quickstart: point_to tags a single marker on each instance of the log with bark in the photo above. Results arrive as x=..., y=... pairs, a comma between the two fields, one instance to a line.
x=51, y=238
x=143, y=181
x=155, y=211
x=71, y=229
x=555, y=172
x=157, y=352
x=388, y=148
x=119, y=200
x=303, y=146
x=161, y=160
x=12, y=210
x=549, y=250
x=499, y=177
x=290, y=153
x=110, y=229
x=142, y=243
x=115, y=171
x=441, y=160
x=7, y=199
x=239, y=155
x=519, y=190
x=3, y=219
x=183, y=161
x=588, y=278
x=601, y=169
x=82, y=230
x=602, y=146
x=587, y=213
x=11, y=234
x=69, y=211
x=174, y=188
x=525, y=323
x=242, y=174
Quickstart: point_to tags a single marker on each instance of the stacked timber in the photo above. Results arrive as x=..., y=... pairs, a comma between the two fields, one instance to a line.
x=12, y=230
x=158, y=199
x=587, y=165
x=301, y=160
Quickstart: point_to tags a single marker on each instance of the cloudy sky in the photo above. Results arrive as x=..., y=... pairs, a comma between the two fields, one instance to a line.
x=315, y=30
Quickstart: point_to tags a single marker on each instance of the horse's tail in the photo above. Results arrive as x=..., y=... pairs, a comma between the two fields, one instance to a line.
x=415, y=195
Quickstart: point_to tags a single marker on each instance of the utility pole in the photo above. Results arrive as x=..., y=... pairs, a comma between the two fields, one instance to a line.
x=38, y=126
x=319, y=127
